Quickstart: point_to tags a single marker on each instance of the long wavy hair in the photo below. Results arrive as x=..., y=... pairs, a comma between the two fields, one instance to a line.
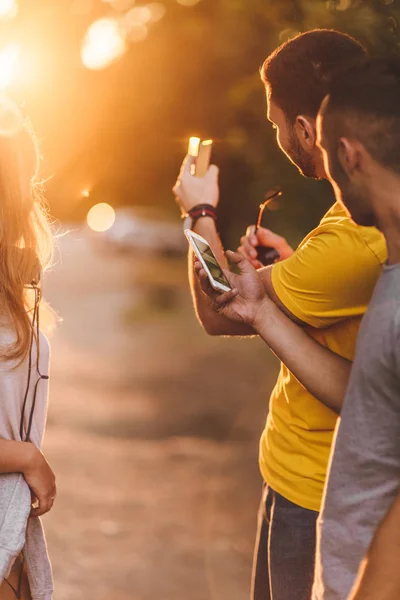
x=26, y=245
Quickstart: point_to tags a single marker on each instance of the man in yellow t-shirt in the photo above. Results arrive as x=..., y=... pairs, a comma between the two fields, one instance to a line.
x=325, y=285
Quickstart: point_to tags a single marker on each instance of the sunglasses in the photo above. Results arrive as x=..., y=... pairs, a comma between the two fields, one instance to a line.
x=265, y=254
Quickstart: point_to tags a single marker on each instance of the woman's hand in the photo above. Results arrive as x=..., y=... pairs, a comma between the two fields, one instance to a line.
x=245, y=301
x=266, y=238
x=41, y=481
x=190, y=190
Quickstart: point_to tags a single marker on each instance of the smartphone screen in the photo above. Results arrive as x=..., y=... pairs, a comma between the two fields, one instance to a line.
x=211, y=262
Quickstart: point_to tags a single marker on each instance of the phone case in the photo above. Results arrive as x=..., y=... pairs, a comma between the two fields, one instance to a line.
x=217, y=286
x=203, y=158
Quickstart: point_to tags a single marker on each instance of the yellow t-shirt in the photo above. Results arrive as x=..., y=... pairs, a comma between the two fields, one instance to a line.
x=327, y=283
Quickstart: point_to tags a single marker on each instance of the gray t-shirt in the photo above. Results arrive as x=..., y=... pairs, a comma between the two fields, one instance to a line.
x=364, y=475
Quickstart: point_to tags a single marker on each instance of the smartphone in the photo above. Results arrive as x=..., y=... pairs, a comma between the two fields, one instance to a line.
x=210, y=264
x=201, y=150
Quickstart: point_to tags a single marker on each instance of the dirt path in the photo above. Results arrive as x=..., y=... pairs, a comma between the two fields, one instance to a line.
x=153, y=431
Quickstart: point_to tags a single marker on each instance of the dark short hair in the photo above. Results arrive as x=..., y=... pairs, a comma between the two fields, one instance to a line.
x=297, y=73
x=364, y=103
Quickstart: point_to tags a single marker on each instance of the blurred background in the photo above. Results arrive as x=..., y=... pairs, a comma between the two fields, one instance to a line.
x=153, y=426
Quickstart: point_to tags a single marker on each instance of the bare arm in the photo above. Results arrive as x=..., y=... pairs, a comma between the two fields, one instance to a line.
x=191, y=191
x=16, y=457
x=324, y=373
x=379, y=575
x=213, y=323
x=25, y=458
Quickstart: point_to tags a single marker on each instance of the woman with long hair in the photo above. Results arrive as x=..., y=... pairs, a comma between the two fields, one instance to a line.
x=27, y=483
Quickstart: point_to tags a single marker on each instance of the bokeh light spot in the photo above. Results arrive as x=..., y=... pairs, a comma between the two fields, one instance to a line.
x=120, y=4
x=101, y=217
x=138, y=32
x=188, y=2
x=9, y=65
x=8, y=9
x=158, y=10
x=104, y=42
x=138, y=14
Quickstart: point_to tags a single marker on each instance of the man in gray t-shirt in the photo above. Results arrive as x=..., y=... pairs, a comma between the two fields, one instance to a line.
x=365, y=469
x=359, y=126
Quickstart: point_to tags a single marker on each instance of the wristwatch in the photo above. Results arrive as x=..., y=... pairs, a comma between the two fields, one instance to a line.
x=197, y=212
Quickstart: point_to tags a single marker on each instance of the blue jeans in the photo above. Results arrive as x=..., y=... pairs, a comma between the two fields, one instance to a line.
x=284, y=556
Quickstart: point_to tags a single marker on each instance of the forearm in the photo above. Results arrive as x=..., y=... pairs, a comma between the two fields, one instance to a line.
x=324, y=373
x=379, y=575
x=16, y=457
x=213, y=323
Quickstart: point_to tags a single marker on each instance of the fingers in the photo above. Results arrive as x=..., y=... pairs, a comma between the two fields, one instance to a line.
x=212, y=173
x=236, y=257
x=266, y=237
x=43, y=508
x=240, y=260
x=263, y=237
x=217, y=298
x=186, y=167
x=251, y=235
x=248, y=243
x=204, y=281
x=247, y=248
x=43, y=503
x=226, y=297
x=256, y=263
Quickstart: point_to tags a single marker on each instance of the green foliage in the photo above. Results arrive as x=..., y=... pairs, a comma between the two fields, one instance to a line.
x=198, y=74
x=237, y=36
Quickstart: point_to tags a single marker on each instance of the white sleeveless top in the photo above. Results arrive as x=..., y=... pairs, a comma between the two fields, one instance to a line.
x=18, y=531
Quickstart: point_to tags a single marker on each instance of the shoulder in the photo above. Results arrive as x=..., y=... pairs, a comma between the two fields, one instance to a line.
x=337, y=228
x=332, y=273
x=379, y=337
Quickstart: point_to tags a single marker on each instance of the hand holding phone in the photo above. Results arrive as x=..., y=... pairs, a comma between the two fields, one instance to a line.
x=208, y=261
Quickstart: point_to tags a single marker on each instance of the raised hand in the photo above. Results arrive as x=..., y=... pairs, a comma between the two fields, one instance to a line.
x=190, y=190
x=263, y=237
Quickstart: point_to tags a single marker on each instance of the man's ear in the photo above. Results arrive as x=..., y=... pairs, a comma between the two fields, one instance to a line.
x=305, y=129
x=350, y=156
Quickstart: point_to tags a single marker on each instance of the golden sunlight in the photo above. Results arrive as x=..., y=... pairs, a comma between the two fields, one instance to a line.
x=11, y=118
x=9, y=65
x=8, y=9
x=101, y=217
x=104, y=42
x=194, y=144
